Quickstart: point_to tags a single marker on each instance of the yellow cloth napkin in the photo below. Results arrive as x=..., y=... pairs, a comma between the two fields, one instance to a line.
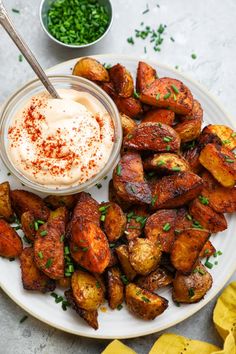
x=224, y=318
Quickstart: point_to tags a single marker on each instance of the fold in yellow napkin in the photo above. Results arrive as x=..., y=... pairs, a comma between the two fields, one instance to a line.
x=224, y=318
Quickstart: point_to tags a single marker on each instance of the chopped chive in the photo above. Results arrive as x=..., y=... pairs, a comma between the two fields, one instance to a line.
x=112, y=245
x=23, y=319
x=172, y=39
x=75, y=248
x=160, y=163
x=219, y=253
x=166, y=96
x=166, y=227
x=36, y=226
x=85, y=249
x=16, y=11
x=175, y=98
x=103, y=217
x=203, y=200
x=133, y=189
x=9, y=173
x=194, y=56
x=175, y=89
x=177, y=232
x=136, y=94
x=130, y=214
x=208, y=264
x=158, y=96
x=129, y=136
x=64, y=305
x=191, y=292
x=176, y=67
x=20, y=58
x=154, y=199
x=130, y=40
x=99, y=185
x=145, y=299
x=58, y=299
x=124, y=279
x=98, y=286
x=227, y=159
x=118, y=170
x=233, y=135
x=104, y=208
x=43, y=233
x=119, y=307
x=189, y=217
x=167, y=139
x=176, y=169
x=66, y=250
x=147, y=10
x=227, y=141
x=62, y=238
x=40, y=222
x=49, y=263
x=40, y=254
x=138, y=292
x=168, y=148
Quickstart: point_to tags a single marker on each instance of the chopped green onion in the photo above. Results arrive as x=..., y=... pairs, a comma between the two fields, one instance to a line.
x=66, y=250
x=118, y=170
x=85, y=249
x=130, y=40
x=20, y=58
x=136, y=94
x=103, y=217
x=168, y=148
x=154, y=199
x=43, y=233
x=40, y=254
x=158, y=96
x=175, y=89
x=23, y=319
x=62, y=238
x=15, y=11
x=166, y=227
x=166, y=96
x=191, y=292
x=203, y=200
x=145, y=299
x=99, y=185
x=124, y=279
x=176, y=169
x=49, y=263
x=167, y=139
x=208, y=264
x=160, y=163
x=194, y=56
x=119, y=307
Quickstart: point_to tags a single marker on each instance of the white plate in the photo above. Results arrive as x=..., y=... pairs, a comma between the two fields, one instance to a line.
x=121, y=324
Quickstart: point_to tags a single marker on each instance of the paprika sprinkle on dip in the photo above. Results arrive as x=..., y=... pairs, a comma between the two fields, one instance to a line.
x=61, y=143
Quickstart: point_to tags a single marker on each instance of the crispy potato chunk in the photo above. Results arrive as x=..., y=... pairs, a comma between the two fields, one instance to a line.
x=206, y=216
x=226, y=135
x=123, y=256
x=108, y=87
x=183, y=221
x=193, y=287
x=177, y=190
x=91, y=69
x=27, y=222
x=64, y=282
x=159, y=115
x=187, y=247
x=10, y=242
x=129, y=106
x=89, y=246
x=115, y=221
x=171, y=93
x=122, y=81
x=57, y=201
x=113, y=197
x=166, y=163
x=146, y=75
x=143, y=303
x=136, y=218
x=128, y=180
x=49, y=246
x=157, y=279
x=128, y=124
x=153, y=136
x=6, y=211
x=23, y=201
x=144, y=255
x=91, y=317
x=221, y=163
x=160, y=227
x=208, y=250
x=32, y=277
x=115, y=287
x=87, y=294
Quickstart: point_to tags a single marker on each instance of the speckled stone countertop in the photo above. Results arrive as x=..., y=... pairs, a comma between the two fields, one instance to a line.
x=206, y=28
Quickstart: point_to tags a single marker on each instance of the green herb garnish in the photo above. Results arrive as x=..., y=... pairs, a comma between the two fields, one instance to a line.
x=166, y=227
x=203, y=200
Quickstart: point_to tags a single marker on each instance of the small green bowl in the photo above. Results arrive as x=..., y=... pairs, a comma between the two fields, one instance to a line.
x=43, y=11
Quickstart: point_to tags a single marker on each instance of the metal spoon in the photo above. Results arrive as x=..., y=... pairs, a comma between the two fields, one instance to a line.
x=24, y=49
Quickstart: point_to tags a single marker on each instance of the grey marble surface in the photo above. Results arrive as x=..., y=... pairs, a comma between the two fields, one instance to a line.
x=206, y=28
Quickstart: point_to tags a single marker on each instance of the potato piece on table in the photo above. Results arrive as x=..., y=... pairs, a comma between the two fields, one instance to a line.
x=159, y=115
x=113, y=197
x=144, y=255
x=136, y=219
x=128, y=124
x=6, y=211
x=49, y=245
x=115, y=287
x=32, y=277
x=146, y=75
x=206, y=216
x=89, y=246
x=122, y=81
x=130, y=106
x=153, y=136
x=166, y=163
x=193, y=287
x=226, y=134
x=23, y=201
x=221, y=163
x=187, y=247
x=91, y=69
x=176, y=190
x=208, y=250
x=115, y=221
x=128, y=180
x=57, y=201
x=168, y=93
x=143, y=303
x=123, y=256
x=10, y=242
x=27, y=222
x=157, y=279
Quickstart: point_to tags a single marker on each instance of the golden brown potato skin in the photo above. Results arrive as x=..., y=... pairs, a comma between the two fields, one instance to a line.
x=182, y=221
x=159, y=115
x=146, y=75
x=221, y=163
x=27, y=222
x=87, y=294
x=176, y=190
x=225, y=134
x=10, y=242
x=122, y=81
x=57, y=201
x=157, y=279
x=64, y=283
x=161, y=94
x=129, y=106
x=208, y=250
x=144, y=255
x=143, y=303
x=23, y=201
x=115, y=221
x=113, y=197
x=193, y=287
x=89, y=246
x=207, y=217
x=6, y=211
x=91, y=69
x=128, y=180
x=123, y=256
x=153, y=136
x=136, y=222
x=32, y=277
x=128, y=124
x=166, y=163
x=187, y=247
x=115, y=287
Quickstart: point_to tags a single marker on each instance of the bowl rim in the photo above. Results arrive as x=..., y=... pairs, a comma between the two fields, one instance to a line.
x=72, y=45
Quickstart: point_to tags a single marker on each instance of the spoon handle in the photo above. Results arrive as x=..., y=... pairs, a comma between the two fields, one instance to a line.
x=24, y=49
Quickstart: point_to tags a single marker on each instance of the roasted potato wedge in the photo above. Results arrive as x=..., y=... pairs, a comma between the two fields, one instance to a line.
x=6, y=211
x=153, y=136
x=143, y=303
x=157, y=279
x=113, y=260
x=226, y=135
x=208, y=218
x=177, y=190
x=187, y=247
x=115, y=221
x=89, y=246
x=113, y=197
x=193, y=287
x=87, y=294
x=136, y=219
x=91, y=69
x=146, y=75
x=208, y=250
x=192, y=158
x=10, y=242
x=108, y=87
x=123, y=256
x=128, y=124
x=49, y=245
x=115, y=287
x=23, y=201
x=221, y=163
x=129, y=106
x=57, y=201
x=27, y=222
x=32, y=277
x=159, y=115
x=122, y=81
x=160, y=227
x=64, y=282
x=168, y=93
x=183, y=221
x=166, y=163
x=144, y=255
x=128, y=180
